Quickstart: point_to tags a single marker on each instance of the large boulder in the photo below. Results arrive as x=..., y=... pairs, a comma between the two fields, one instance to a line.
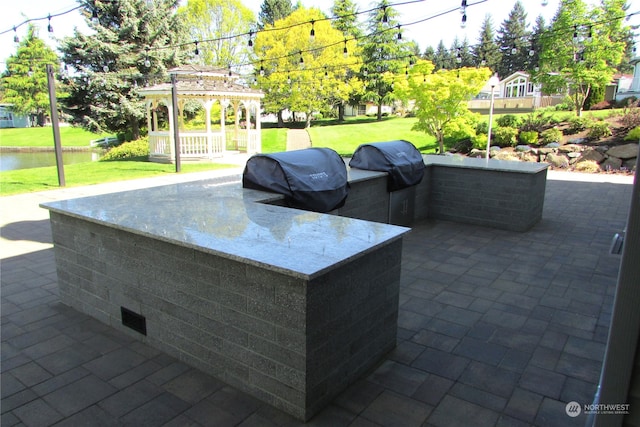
x=627, y=151
x=557, y=160
x=611, y=163
x=570, y=148
x=591, y=155
x=630, y=164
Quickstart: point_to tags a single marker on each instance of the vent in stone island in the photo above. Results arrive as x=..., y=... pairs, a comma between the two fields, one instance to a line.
x=312, y=179
x=133, y=320
x=400, y=159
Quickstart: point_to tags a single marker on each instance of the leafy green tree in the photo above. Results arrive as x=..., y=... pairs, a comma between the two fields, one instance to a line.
x=382, y=53
x=513, y=41
x=274, y=10
x=24, y=83
x=127, y=50
x=303, y=74
x=219, y=20
x=578, y=57
x=486, y=52
x=441, y=98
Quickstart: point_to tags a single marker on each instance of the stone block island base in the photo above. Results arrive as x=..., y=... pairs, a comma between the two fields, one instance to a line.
x=287, y=305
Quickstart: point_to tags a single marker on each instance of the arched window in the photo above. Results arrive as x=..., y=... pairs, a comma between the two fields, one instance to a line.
x=516, y=88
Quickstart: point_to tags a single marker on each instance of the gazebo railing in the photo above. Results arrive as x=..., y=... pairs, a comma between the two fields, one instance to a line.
x=198, y=144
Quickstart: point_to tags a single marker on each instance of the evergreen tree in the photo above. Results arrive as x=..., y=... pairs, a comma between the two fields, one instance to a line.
x=533, y=60
x=274, y=10
x=513, y=42
x=24, y=83
x=346, y=20
x=487, y=53
x=128, y=49
x=429, y=54
x=382, y=53
x=442, y=57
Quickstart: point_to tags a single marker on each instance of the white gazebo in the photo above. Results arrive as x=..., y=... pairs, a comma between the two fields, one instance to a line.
x=207, y=86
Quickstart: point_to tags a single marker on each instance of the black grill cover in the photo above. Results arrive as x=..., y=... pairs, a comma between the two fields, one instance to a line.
x=400, y=159
x=311, y=179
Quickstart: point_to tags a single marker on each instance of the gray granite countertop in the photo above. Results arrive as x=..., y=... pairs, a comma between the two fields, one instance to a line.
x=230, y=221
x=491, y=164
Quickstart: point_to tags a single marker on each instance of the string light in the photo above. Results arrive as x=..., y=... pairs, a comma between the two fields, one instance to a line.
x=385, y=18
x=147, y=62
x=345, y=52
x=545, y=2
x=399, y=32
x=575, y=33
x=94, y=16
x=16, y=39
x=463, y=7
x=312, y=34
x=49, y=27
x=514, y=49
x=196, y=51
x=463, y=23
x=250, y=44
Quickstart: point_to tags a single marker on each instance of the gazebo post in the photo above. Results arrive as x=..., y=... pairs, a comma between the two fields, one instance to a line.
x=258, y=147
x=237, y=113
x=223, y=133
x=207, y=114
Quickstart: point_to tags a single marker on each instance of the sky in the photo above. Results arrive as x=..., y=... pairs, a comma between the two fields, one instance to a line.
x=427, y=33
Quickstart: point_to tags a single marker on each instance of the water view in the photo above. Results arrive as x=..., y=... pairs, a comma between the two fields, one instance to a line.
x=13, y=160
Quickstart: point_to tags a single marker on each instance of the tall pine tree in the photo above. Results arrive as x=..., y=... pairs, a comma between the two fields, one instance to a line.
x=346, y=20
x=513, y=42
x=487, y=53
x=442, y=58
x=382, y=53
x=127, y=50
x=274, y=10
x=24, y=82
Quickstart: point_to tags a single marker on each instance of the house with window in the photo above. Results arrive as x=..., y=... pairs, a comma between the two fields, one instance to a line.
x=515, y=93
x=9, y=119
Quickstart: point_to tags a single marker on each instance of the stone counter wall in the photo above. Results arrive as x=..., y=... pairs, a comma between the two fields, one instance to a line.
x=290, y=342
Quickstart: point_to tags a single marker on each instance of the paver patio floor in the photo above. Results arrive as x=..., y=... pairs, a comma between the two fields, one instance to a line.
x=496, y=328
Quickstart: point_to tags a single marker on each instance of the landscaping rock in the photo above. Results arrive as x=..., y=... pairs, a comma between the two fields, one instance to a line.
x=478, y=153
x=528, y=157
x=545, y=151
x=577, y=141
x=505, y=155
x=574, y=154
x=557, y=160
x=591, y=155
x=602, y=148
x=630, y=164
x=627, y=151
x=611, y=163
x=570, y=148
x=523, y=148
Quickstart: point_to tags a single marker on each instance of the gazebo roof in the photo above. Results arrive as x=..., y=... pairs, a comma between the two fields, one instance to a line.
x=198, y=80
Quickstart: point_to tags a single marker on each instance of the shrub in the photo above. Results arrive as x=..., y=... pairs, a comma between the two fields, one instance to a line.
x=633, y=135
x=480, y=141
x=630, y=117
x=508, y=120
x=528, y=137
x=535, y=121
x=133, y=150
x=505, y=136
x=551, y=135
x=588, y=166
x=482, y=128
x=578, y=124
x=598, y=130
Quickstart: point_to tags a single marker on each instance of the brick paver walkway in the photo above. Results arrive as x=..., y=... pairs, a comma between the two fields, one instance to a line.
x=496, y=328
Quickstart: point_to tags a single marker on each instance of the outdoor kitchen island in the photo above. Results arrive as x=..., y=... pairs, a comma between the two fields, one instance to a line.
x=290, y=306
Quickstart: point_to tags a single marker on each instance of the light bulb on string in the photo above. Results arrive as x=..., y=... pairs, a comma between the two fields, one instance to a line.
x=301, y=59
x=575, y=33
x=463, y=23
x=514, y=49
x=385, y=18
x=105, y=68
x=94, y=15
x=147, y=62
x=483, y=62
x=545, y=2
x=196, y=51
x=312, y=34
x=399, y=33
x=288, y=79
x=16, y=39
x=532, y=51
x=345, y=52
x=463, y=7
x=590, y=34
x=49, y=27
x=250, y=39
x=261, y=70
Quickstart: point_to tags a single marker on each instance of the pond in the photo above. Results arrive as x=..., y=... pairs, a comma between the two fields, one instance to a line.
x=12, y=160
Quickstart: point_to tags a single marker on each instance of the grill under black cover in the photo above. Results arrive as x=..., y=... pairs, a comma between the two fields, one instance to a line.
x=311, y=179
x=400, y=159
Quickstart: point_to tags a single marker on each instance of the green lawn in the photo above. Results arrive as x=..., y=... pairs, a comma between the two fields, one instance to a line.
x=39, y=179
x=346, y=137
x=43, y=137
